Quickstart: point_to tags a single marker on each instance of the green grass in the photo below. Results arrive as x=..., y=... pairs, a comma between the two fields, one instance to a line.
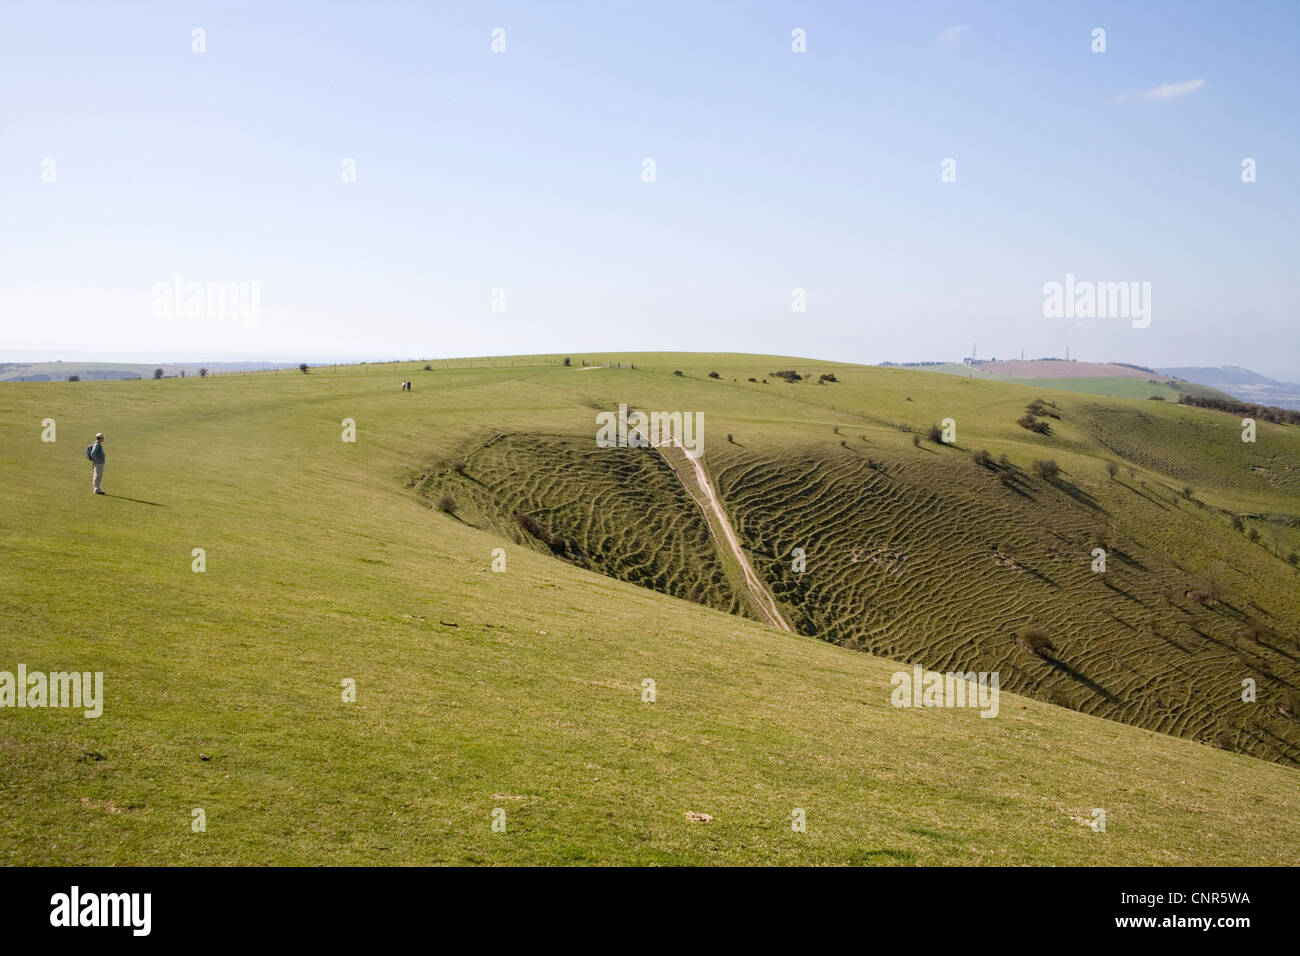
x=1107, y=387
x=522, y=690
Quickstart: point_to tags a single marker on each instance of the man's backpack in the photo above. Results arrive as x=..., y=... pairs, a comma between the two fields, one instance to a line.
x=90, y=452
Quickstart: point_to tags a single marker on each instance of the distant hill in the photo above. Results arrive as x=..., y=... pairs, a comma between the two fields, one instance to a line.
x=1108, y=379
x=1242, y=383
x=89, y=371
x=1062, y=368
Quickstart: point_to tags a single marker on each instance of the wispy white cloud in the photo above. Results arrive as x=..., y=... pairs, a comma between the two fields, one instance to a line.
x=952, y=34
x=1167, y=91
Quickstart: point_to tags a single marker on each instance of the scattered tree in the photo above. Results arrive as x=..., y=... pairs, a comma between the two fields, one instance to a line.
x=447, y=503
x=983, y=458
x=1036, y=640
x=1034, y=424
x=567, y=362
x=203, y=373
x=1275, y=526
x=157, y=373
x=1268, y=413
x=74, y=378
x=935, y=434
x=532, y=526
x=1112, y=469
x=1047, y=469
x=1236, y=522
x=714, y=375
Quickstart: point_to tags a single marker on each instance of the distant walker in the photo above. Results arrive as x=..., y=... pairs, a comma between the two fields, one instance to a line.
x=95, y=453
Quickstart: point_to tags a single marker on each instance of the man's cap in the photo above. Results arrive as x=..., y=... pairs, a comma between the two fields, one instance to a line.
x=99, y=437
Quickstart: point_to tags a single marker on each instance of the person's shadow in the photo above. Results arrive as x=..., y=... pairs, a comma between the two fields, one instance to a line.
x=109, y=494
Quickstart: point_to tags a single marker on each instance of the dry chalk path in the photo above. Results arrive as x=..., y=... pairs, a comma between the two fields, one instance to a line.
x=707, y=499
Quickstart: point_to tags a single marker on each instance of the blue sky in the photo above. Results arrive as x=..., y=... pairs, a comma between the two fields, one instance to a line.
x=774, y=170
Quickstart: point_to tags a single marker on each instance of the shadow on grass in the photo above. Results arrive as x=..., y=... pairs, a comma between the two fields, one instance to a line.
x=1170, y=641
x=1088, y=682
x=1078, y=494
x=1128, y=559
x=1288, y=747
x=1142, y=494
x=1012, y=486
x=1114, y=588
x=138, y=501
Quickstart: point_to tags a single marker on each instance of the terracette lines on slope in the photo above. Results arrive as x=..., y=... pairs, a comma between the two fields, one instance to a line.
x=701, y=489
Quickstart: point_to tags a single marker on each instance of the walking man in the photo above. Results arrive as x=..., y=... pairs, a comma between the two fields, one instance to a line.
x=96, y=455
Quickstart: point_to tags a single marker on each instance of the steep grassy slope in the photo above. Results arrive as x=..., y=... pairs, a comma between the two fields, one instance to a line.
x=644, y=529
x=921, y=554
x=519, y=690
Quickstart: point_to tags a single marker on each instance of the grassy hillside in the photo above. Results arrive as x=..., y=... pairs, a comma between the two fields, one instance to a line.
x=1108, y=380
x=523, y=690
x=1105, y=387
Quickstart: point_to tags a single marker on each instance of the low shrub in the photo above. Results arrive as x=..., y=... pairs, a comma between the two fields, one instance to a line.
x=1037, y=641
x=1034, y=424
